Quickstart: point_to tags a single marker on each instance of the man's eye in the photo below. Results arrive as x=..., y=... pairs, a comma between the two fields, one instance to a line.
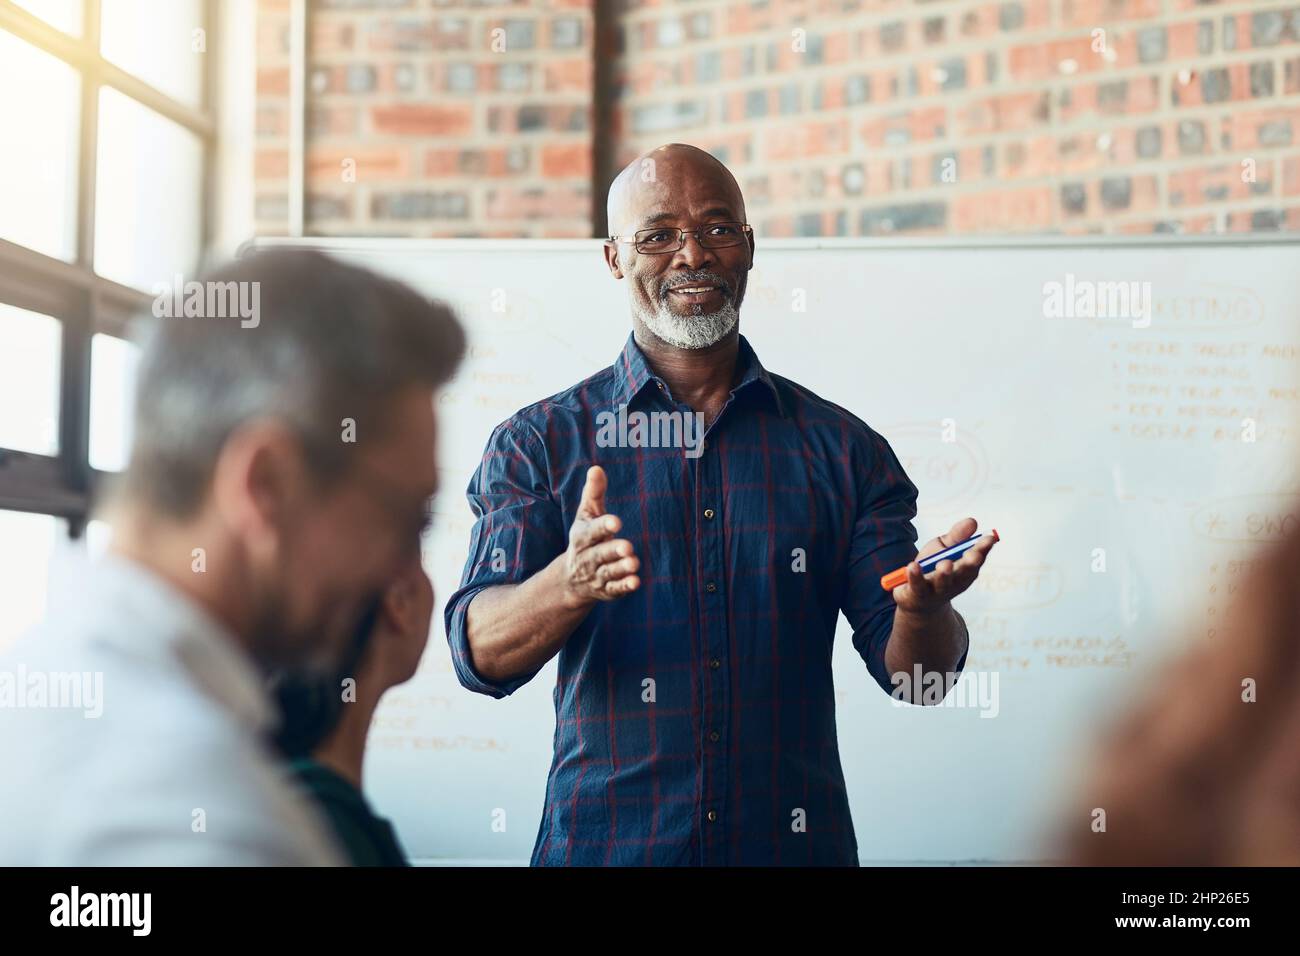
x=723, y=230
x=655, y=237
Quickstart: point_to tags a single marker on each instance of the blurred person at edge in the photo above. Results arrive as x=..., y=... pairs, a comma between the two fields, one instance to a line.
x=1205, y=771
x=324, y=735
x=251, y=532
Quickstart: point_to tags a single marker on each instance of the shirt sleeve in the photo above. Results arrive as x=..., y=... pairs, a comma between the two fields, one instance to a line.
x=519, y=529
x=884, y=539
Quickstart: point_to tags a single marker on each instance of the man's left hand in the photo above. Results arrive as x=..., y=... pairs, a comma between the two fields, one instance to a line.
x=926, y=594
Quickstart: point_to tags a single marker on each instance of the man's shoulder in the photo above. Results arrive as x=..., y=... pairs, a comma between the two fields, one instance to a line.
x=201, y=795
x=811, y=410
x=98, y=705
x=163, y=775
x=567, y=410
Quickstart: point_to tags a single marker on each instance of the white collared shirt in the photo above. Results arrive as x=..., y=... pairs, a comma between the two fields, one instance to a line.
x=132, y=733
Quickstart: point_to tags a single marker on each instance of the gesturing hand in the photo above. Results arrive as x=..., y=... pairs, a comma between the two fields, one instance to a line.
x=598, y=567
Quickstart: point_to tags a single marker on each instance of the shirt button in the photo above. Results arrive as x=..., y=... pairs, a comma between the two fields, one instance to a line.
x=715, y=663
x=714, y=736
x=712, y=815
x=710, y=587
x=708, y=512
x=661, y=385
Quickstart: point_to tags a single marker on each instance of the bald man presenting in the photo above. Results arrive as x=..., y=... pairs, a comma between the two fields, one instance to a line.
x=683, y=528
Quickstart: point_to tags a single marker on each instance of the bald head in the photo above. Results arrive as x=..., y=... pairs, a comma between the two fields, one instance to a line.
x=686, y=298
x=641, y=188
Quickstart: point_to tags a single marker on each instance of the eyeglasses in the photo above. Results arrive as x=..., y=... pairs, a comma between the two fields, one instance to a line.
x=661, y=239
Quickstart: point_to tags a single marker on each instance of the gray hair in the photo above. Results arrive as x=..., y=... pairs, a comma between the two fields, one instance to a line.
x=331, y=341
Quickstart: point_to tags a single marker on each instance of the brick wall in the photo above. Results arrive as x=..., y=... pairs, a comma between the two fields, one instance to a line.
x=839, y=117
x=442, y=118
x=271, y=151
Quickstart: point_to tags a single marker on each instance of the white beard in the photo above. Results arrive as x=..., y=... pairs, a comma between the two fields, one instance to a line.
x=690, y=331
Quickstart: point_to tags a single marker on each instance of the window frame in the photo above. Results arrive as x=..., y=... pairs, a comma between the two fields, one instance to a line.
x=84, y=303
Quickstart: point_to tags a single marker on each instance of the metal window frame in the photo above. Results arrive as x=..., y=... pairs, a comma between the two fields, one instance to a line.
x=84, y=303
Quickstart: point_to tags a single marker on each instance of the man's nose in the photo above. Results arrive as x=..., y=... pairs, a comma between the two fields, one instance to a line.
x=692, y=255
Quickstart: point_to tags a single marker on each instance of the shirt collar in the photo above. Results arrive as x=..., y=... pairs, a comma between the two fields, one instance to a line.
x=632, y=373
x=154, y=618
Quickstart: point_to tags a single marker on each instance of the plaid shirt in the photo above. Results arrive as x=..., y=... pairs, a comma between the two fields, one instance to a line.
x=695, y=717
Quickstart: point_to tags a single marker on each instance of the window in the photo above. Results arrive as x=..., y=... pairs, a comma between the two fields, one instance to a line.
x=28, y=545
x=160, y=41
x=106, y=143
x=38, y=148
x=63, y=14
x=29, y=381
x=112, y=374
x=134, y=244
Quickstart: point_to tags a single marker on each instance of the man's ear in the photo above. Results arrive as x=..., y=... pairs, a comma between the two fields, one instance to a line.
x=751, y=249
x=256, y=477
x=394, y=611
x=611, y=259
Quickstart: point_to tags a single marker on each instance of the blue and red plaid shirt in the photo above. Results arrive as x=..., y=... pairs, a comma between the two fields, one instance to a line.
x=695, y=717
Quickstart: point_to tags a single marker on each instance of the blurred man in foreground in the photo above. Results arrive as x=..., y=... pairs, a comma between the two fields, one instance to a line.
x=278, y=482
x=325, y=735
x=1205, y=769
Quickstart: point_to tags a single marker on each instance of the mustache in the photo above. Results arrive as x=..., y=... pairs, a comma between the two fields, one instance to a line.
x=694, y=278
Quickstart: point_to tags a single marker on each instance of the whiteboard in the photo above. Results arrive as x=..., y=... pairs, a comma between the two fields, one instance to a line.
x=1160, y=443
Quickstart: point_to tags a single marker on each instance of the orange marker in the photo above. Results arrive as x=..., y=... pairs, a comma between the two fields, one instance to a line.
x=894, y=578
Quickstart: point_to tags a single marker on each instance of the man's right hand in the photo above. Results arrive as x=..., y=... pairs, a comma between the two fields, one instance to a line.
x=597, y=566
x=514, y=629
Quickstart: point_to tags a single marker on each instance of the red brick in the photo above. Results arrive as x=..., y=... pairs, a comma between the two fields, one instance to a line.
x=567, y=76
x=921, y=125
x=382, y=163
x=327, y=37
x=549, y=203
x=409, y=119
x=1188, y=187
x=565, y=161
x=334, y=120
x=271, y=164
x=802, y=140
x=1008, y=111
x=273, y=81
x=1242, y=130
x=1003, y=210
x=1291, y=176
x=1094, y=13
